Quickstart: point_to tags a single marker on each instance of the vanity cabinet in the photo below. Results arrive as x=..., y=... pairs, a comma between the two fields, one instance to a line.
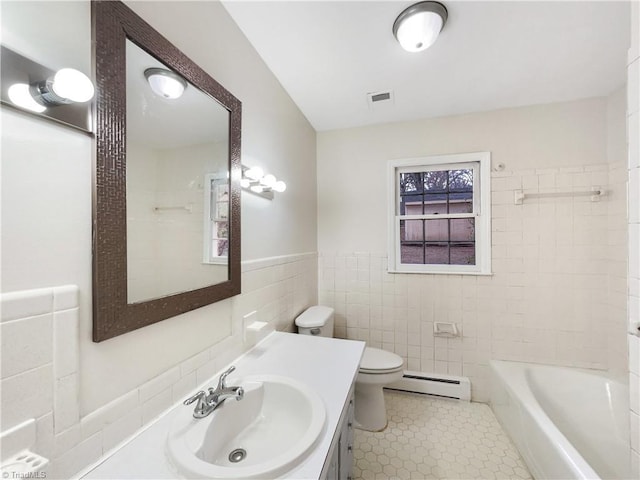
x=300, y=358
x=339, y=464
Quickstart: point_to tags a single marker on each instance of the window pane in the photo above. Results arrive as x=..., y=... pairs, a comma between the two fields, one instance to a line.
x=411, y=182
x=220, y=230
x=435, y=203
x=437, y=230
x=412, y=241
x=220, y=248
x=460, y=205
x=436, y=181
x=411, y=205
x=462, y=229
x=437, y=254
x=461, y=180
x=463, y=254
x=411, y=231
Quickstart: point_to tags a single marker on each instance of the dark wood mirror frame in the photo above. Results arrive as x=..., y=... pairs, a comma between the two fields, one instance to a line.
x=113, y=24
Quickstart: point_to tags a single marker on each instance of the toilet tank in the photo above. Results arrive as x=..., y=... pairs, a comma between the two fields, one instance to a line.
x=316, y=320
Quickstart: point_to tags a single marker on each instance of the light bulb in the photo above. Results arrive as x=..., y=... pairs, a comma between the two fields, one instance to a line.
x=245, y=183
x=20, y=95
x=254, y=173
x=70, y=84
x=279, y=186
x=256, y=188
x=268, y=180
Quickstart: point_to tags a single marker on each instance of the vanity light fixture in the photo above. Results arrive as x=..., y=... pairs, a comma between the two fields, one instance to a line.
x=418, y=26
x=67, y=86
x=255, y=181
x=165, y=83
x=60, y=95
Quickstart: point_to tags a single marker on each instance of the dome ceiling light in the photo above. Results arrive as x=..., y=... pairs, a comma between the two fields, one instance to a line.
x=165, y=83
x=418, y=26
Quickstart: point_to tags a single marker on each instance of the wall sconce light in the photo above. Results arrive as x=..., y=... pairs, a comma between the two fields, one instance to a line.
x=68, y=90
x=255, y=181
x=418, y=27
x=165, y=83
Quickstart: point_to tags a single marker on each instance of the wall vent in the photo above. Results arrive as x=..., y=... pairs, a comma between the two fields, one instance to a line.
x=378, y=98
x=434, y=384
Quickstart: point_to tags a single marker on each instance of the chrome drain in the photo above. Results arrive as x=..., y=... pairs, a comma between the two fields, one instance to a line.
x=237, y=455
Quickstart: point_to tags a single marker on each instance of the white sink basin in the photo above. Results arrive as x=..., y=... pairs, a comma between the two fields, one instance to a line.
x=276, y=425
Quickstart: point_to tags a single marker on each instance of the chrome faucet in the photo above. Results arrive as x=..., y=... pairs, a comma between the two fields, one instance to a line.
x=208, y=402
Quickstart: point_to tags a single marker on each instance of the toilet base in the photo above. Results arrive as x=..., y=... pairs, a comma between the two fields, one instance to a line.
x=370, y=409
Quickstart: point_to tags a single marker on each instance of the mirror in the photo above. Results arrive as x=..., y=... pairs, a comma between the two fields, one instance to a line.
x=177, y=170
x=167, y=192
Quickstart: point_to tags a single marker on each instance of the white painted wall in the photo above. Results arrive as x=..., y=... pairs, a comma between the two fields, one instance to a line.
x=46, y=191
x=558, y=263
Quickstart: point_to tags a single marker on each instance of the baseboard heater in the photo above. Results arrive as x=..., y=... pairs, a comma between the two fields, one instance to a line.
x=434, y=384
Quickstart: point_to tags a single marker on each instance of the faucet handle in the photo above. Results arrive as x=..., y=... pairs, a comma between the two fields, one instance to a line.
x=198, y=396
x=221, y=382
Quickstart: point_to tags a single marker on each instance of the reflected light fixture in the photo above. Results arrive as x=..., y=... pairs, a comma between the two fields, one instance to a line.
x=165, y=83
x=418, y=26
x=255, y=181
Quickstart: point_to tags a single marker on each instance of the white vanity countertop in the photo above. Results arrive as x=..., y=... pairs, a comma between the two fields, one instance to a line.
x=327, y=365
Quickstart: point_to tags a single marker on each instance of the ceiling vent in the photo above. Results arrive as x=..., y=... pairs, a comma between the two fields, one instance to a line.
x=380, y=98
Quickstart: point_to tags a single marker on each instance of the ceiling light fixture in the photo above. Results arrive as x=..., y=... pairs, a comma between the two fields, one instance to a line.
x=418, y=26
x=165, y=83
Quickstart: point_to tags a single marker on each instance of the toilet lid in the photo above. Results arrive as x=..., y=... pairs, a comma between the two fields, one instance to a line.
x=316, y=316
x=375, y=360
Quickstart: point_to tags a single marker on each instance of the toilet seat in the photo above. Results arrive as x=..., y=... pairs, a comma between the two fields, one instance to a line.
x=377, y=362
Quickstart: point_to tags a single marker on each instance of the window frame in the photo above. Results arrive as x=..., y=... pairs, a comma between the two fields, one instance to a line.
x=211, y=182
x=481, y=211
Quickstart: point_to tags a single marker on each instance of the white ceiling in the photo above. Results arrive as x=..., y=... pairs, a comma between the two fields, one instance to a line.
x=329, y=54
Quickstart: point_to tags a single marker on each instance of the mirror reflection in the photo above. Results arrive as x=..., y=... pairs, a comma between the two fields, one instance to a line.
x=177, y=182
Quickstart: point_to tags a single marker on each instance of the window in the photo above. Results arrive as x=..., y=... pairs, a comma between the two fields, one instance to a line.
x=216, y=218
x=440, y=214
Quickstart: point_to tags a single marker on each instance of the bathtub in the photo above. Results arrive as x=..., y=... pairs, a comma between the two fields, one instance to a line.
x=567, y=423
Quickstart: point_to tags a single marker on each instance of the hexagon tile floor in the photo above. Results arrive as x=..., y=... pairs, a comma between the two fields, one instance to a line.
x=436, y=438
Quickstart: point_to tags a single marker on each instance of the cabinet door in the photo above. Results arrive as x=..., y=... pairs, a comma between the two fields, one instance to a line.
x=334, y=466
x=346, y=444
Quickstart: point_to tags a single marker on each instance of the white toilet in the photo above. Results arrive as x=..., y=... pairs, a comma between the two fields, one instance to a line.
x=377, y=369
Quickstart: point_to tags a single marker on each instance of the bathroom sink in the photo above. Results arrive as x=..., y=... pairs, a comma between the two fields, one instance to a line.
x=266, y=433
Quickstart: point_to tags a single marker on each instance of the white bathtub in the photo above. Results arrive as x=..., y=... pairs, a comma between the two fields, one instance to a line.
x=566, y=423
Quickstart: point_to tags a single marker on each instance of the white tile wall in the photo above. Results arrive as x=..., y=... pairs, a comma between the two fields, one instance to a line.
x=557, y=294
x=168, y=178
x=633, y=138
x=40, y=362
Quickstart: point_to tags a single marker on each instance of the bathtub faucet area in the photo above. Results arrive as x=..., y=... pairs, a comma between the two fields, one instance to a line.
x=208, y=402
